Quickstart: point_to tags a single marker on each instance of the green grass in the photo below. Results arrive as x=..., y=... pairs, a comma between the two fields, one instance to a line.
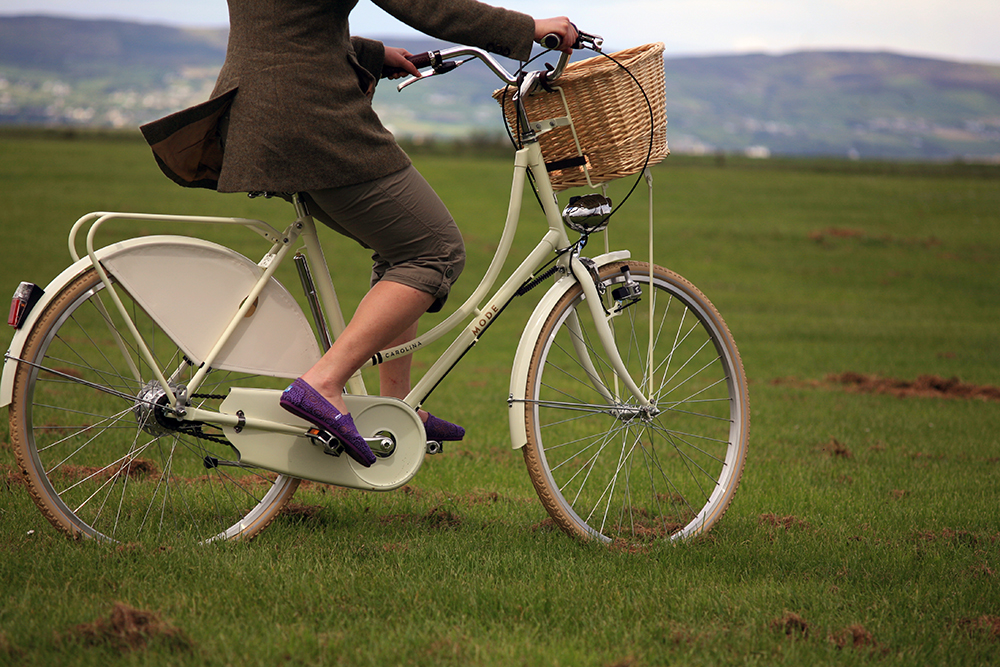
x=855, y=511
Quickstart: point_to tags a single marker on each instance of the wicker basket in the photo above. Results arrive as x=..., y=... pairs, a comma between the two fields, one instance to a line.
x=609, y=116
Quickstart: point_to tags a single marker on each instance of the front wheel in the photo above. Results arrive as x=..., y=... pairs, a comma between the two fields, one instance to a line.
x=606, y=467
x=100, y=456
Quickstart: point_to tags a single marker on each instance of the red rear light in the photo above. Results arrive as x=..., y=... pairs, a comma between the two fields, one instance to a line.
x=25, y=297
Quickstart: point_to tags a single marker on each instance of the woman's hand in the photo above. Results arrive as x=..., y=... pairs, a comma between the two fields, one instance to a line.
x=396, y=57
x=561, y=26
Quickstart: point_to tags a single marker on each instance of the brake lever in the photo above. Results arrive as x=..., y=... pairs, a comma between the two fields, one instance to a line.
x=443, y=68
x=584, y=40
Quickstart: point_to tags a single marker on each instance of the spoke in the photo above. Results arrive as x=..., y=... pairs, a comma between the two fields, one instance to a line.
x=102, y=374
x=610, y=489
x=648, y=458
x=76, y=380
x=110, y=479
x=654, y=460
x=610, y=485
x=114, y=418
x=689, y=461
x=588, y=465
x=667, y=381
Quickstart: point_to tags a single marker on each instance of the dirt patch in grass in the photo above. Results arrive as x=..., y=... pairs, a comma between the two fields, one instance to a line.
x=300, y=511
x=436, y=517
x=129, y=629
x=824, y=236
x=855, y=636
x=547, y=525
x=957, y=537
x=985, y=626
x=836, y=449
x=622, y=545
x=925, y=386
x=480, y=497
x=10, y=476
x=138, y=469
x=791, y=624
x=786, y=522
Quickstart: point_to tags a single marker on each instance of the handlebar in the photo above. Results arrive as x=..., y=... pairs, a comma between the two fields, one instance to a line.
x=445, y=60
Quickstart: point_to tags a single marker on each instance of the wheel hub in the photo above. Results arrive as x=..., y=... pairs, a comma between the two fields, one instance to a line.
x=150, y=408
x=627, y=413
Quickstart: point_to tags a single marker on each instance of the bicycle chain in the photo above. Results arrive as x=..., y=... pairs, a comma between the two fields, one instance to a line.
x=194, y=429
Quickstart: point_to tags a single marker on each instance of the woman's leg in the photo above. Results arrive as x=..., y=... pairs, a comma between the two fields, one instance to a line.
x=394, y=374
x=418, y=252
x=388, y=313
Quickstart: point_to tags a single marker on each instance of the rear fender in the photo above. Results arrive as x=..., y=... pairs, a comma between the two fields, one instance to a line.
x=192, y=288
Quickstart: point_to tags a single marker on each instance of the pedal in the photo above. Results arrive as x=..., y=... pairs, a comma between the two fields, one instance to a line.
x=435, y=447
x=326, y=440
x=382, y=446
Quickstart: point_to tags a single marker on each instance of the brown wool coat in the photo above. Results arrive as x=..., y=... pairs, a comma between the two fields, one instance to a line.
x=298, y=91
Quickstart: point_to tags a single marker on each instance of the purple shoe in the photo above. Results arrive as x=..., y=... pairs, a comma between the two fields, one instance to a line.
x=439, y=430
x=303, y=401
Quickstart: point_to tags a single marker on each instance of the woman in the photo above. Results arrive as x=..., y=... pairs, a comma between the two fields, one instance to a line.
x=291, y=112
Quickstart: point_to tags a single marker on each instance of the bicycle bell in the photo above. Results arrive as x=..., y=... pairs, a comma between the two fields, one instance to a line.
x=588, y=213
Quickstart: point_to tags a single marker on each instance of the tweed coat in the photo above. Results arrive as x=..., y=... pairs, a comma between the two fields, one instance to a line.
x=297, y=89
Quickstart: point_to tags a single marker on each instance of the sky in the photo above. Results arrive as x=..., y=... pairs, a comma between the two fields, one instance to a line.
x=963, y=30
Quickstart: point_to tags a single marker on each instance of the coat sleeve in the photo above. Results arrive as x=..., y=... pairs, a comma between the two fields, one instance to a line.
x=371, y=55
x=502, y=31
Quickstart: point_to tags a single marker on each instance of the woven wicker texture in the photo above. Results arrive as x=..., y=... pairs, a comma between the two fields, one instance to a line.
x=609, y=115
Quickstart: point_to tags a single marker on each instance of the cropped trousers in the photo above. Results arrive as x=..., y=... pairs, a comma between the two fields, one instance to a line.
x=413, y=238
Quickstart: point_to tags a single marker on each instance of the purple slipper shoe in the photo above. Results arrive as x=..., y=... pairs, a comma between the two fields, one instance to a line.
x=439, y=430
x=303, y=401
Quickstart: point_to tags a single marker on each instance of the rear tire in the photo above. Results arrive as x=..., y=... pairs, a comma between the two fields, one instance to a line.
x=605, y=469
x=100, y=460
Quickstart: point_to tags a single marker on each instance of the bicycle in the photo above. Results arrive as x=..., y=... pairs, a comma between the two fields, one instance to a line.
x=135, y=414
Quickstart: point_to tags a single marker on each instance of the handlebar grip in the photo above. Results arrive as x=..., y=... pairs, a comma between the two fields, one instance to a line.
x=420, y=61
x=551, y=41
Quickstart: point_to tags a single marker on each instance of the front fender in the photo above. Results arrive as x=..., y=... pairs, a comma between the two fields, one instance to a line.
x=526, y=346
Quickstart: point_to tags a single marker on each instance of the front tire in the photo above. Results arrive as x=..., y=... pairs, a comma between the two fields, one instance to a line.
x=603, y=467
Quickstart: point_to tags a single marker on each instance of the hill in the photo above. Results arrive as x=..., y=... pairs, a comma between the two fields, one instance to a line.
x=872, y=104
x=57, y=71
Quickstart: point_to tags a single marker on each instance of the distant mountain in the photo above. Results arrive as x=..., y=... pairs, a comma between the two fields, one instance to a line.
x=84, y=49
x=871, y=104
x=58, y=71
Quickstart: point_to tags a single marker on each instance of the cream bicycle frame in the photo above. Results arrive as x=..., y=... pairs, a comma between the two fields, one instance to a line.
x=304, y=229
x=479, y=313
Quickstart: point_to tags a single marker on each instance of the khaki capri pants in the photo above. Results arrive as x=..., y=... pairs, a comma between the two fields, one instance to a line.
x=400, y=218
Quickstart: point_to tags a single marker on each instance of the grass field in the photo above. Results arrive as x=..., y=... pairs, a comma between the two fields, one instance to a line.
x=865, y=530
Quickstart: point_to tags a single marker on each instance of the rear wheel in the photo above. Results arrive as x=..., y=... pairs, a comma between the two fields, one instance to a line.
x=100, y=455
x=603, y=466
